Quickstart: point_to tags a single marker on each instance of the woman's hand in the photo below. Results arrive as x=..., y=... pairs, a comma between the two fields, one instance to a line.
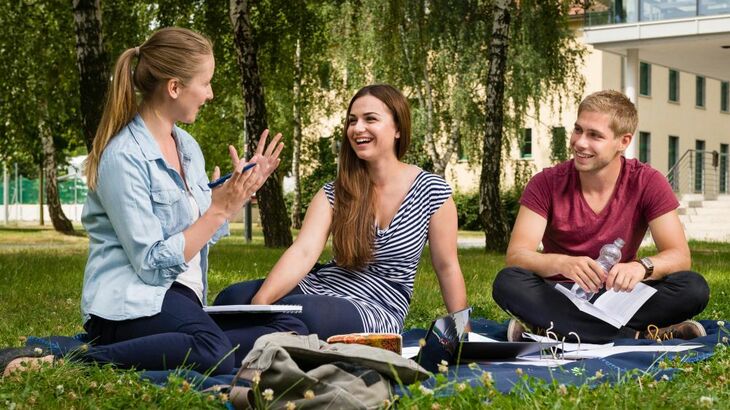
x=299, y=259
x=442, y=236
x=234, y=193
x=266, y=160
x=227, y=199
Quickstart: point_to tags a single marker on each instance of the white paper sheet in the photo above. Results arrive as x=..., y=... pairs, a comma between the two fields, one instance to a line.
x=410, y=352
x=576, y=351
x=476, y=337
x=536, y=360
x=614, y=308
x=253, y=309
x=567, y=347
x=610, y=351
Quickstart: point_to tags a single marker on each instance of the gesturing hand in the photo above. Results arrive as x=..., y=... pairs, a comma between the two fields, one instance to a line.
x=230, y=197
x=266, y=160
x=583, y=270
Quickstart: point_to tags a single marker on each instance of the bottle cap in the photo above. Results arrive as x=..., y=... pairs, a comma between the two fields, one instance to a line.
x=619, y=242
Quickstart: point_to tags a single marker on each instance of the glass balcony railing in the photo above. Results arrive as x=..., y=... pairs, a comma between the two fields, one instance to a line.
x=603, y=12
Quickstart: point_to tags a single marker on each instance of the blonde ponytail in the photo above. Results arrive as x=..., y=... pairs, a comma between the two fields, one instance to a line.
x=119, y=108
x=171, y=52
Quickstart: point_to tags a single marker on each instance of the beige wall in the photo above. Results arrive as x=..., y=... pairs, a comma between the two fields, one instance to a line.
x=662, y=118
x=658, y=116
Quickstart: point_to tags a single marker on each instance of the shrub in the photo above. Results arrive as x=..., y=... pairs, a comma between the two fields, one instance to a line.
x=467, y=208
x=325, y=170
x=511, y=205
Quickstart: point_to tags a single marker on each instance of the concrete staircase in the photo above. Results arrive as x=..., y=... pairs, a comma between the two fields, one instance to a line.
x=705, y=220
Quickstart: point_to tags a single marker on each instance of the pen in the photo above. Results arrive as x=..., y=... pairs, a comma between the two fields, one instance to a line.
x=224, y=178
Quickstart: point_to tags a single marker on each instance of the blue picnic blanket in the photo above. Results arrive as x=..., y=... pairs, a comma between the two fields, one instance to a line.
x=591, y=372
x=505, y=377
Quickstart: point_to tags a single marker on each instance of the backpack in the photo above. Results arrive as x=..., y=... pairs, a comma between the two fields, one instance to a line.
x=312, y=374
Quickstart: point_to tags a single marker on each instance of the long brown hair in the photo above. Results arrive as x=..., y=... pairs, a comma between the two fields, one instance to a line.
x=171, y=52
x=353, y=225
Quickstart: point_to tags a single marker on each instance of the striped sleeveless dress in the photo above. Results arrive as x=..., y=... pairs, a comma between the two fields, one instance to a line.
x=382, y=290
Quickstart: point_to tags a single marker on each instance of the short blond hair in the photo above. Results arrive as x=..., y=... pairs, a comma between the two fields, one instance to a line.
x=624, y=118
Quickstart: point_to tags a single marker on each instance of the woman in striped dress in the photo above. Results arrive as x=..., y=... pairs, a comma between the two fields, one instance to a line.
x=380, y=212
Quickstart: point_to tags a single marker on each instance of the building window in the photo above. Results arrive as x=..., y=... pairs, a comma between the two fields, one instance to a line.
x=723, y=168
x=672, y=161
x=700, y=91
x=558, y=145
x=645, y=79
x=673, y=85
x=460, y=151
x=673, y=151
x=526, y=143
x=644, y=147
x=699, y=177
x=724, y=96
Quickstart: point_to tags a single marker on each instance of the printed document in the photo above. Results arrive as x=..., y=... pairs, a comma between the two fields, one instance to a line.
x=614, y=308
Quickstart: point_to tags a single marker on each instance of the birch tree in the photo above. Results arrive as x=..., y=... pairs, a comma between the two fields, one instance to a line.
x=91, y=60
x=490, y=206
x=534, y=59
x=296, y=212
x=295, y=53
x=38, y=94
x=274, y=217
x=438, y=46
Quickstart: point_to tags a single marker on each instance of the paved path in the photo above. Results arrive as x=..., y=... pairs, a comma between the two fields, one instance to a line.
x=464, y=242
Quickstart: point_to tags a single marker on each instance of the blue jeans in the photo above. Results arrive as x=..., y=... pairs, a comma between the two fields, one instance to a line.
x=324, y=315
x=182, y=334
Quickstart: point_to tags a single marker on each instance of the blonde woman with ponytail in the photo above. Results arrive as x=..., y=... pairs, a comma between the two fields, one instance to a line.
x=151, y=216
x=380, y=212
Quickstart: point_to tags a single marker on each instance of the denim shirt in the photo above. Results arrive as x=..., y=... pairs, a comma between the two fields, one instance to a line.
x=135, y=219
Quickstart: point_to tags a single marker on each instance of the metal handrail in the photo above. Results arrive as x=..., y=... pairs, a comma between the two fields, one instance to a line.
x=678, y=163
x=700, y=172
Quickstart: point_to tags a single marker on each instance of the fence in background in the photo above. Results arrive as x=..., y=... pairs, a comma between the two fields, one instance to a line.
x=21, y=195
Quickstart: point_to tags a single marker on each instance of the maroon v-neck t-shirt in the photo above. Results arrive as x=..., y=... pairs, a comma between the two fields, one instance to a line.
x=573, y=228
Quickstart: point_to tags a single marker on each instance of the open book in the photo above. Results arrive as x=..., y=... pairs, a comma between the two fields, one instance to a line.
x=232, y=309
x=614, y=308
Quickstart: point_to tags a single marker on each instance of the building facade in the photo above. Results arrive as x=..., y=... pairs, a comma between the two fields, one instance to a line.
x=672, y=58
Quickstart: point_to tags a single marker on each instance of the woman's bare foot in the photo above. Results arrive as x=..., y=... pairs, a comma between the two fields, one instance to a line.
x=26, y=363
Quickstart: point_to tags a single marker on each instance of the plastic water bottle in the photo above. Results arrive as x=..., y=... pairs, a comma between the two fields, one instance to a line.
x=610, y=255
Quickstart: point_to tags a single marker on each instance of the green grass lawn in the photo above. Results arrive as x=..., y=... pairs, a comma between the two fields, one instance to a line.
x=40, y=285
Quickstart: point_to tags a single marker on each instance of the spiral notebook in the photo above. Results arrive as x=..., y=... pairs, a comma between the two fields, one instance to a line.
x=238, y=309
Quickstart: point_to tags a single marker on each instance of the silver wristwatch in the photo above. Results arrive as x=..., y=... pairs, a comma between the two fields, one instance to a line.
x=648, y=266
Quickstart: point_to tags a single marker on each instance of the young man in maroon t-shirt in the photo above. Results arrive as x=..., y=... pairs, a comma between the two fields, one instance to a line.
x=580, y=205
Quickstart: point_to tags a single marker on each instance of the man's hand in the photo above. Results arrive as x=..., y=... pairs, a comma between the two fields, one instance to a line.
x=583, y=270
x=624, y=276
